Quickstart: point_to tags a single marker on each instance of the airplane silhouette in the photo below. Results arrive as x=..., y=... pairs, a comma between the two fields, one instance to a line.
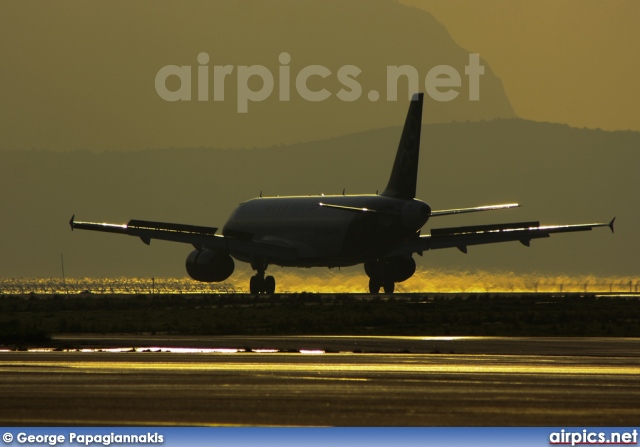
x=381, y=231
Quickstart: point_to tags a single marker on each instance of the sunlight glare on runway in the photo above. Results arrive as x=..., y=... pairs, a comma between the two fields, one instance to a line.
x=345, y=363
x=488, y=381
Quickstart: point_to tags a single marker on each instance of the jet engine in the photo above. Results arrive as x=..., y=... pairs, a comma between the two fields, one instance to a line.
x=402, y=268
x=396, y=269
x=209, y=266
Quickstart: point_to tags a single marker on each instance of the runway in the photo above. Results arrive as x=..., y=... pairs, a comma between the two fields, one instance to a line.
x=478, y=381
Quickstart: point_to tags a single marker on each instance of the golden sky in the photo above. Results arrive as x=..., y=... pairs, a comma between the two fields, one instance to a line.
x=85, y=80
x=565, y=61
x=79, y=76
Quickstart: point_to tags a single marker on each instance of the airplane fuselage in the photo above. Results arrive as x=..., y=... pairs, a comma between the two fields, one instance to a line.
x=326, y=231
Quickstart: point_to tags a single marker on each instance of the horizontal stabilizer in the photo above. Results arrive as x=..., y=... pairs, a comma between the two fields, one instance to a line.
x=475, y=209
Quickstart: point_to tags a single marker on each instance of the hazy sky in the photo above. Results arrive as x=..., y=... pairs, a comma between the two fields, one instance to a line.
x=85, y=75
x=79, y=75
x=565, y=61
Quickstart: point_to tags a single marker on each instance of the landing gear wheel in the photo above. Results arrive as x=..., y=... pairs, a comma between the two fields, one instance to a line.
x=389, y=287
x=374, y=285
x=261, y=285
x=269, y=286
x=256, y=284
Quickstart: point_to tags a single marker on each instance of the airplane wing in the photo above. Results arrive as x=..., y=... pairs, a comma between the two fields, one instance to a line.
x=199, y=237
x=474, y=210
x=462, y=237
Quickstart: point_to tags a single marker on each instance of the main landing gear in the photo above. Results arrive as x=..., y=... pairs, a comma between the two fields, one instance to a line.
x=380, y=276
x=259, y=284
x=387, y=285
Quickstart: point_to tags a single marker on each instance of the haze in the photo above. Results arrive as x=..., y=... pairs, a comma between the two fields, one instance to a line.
x=83, y=130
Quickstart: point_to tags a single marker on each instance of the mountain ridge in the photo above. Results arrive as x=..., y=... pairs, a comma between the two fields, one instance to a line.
x=560, y=175
x=92, y=96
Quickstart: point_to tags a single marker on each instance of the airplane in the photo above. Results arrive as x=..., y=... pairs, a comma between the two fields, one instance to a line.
x=381, y=231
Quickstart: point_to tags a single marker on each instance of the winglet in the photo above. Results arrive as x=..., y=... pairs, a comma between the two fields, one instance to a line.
x=71, y=222
x=611, y=224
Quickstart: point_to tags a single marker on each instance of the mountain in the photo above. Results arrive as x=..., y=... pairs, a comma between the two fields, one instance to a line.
x=82, y=75
x=559, y=174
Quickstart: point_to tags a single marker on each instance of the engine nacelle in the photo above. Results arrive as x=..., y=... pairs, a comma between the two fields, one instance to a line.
x=402, y=268
x=396, y=269
x=209, y=266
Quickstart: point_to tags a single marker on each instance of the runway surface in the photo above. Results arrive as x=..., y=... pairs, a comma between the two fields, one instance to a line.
x=463, y=381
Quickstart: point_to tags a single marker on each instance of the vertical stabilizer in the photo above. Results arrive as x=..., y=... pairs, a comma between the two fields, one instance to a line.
x=404, y=176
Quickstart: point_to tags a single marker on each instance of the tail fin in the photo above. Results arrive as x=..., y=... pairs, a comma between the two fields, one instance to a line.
x=404, y=176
